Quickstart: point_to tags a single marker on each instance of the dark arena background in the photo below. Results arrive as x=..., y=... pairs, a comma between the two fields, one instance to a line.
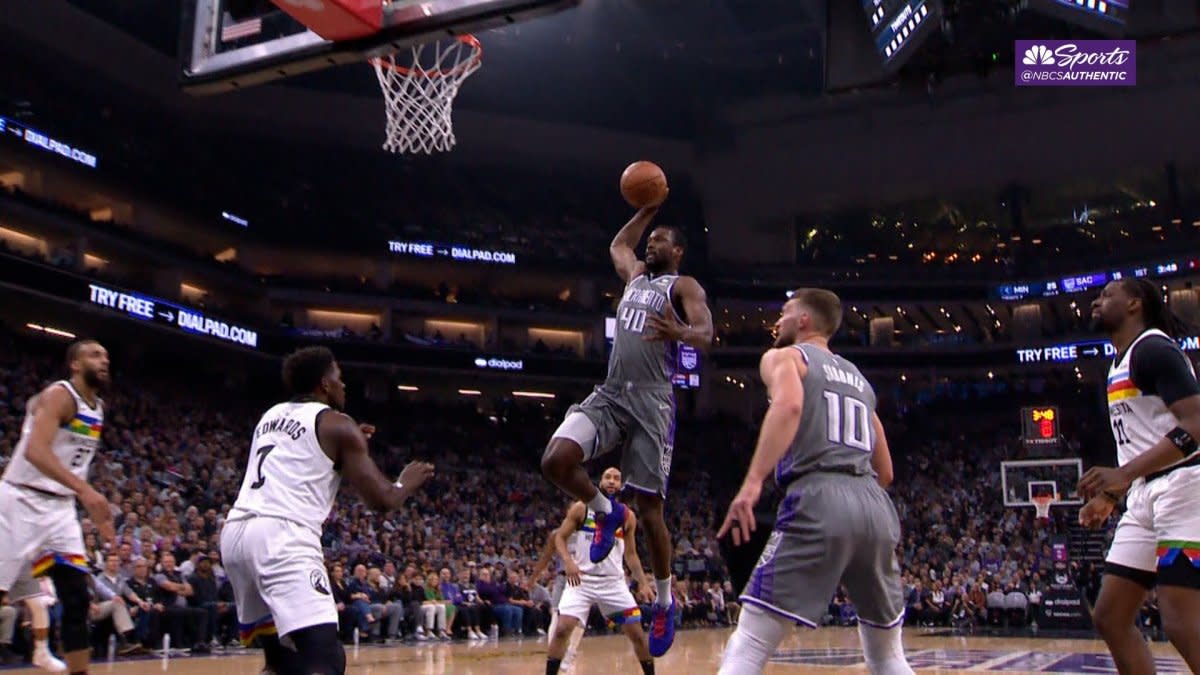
x=200, y=185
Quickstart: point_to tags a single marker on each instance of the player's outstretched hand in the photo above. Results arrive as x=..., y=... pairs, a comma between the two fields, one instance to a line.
x=1100, y=479
x=415, y=474
x=572, y=571
x=740, y=519
x=646, y=594
x=1096, y=512
x=98, y=510
x=667, y=328
x=367, y=430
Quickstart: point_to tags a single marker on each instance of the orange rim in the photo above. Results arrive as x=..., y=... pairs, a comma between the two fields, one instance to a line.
x=469, y=40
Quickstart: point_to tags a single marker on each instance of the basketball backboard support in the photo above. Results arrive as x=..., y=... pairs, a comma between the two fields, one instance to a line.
x=232, y=44
x=1022, y=480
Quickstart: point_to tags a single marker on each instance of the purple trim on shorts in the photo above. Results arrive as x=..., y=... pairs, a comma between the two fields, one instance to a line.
x=639, y=488
x=748, y=600
x=893, y=624
x=788, y=508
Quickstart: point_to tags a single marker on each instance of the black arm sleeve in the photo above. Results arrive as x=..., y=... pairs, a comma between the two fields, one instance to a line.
x=1160, y=368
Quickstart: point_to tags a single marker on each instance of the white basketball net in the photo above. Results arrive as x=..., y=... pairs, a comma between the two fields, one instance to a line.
x=419, y=94
x=1043, y=504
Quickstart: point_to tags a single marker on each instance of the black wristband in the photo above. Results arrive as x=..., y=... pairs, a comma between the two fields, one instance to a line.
x=1182, y=440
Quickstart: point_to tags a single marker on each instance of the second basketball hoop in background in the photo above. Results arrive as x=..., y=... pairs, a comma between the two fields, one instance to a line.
x=419, y=86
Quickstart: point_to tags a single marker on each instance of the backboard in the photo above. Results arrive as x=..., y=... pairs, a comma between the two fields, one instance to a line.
x=231, y=44
x=1022, y=480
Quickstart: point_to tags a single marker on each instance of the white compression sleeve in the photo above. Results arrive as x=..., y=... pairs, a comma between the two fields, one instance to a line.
x=884, y=650
x=757, y=635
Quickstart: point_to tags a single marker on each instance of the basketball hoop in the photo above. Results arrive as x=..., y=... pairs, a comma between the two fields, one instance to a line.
x=1043, y=503
x=419, y=90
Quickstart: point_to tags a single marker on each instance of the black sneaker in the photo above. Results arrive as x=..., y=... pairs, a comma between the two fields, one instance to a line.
x=201, y=648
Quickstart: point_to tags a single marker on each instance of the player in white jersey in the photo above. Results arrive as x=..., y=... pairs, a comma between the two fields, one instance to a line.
x=271, y=541
x=38, y=522
x=600, y=583
x=549, y=555
x=1154, y=410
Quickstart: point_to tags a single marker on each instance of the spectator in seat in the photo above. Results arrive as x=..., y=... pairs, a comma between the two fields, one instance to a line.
x=496, y=600
x=435, y=610
x=360, y=601
x=113, y=600
x=149, y=617
x=187, y=625
x=531, y=616
x=996, y=605
x=8, y=629
x=384, y=611
x=469, y=605
x=341, y=599
x=410, y=593
x=1016, y=604
x=207, y=596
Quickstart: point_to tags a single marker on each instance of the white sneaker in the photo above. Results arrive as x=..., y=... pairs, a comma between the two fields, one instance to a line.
x=541, y=631
x=42, y=658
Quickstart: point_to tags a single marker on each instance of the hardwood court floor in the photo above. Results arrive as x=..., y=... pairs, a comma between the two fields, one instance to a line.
x=828, y=650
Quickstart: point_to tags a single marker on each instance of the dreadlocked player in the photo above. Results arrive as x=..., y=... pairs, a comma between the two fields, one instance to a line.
x=1154, y=410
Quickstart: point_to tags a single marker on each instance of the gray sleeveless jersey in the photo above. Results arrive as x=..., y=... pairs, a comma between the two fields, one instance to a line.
x=633, y=358
x=836, y=431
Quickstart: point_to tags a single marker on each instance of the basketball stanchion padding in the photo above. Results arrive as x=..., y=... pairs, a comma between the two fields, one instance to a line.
x=419, y=87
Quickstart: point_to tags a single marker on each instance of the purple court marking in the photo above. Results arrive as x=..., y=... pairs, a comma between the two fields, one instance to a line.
x=991, y=660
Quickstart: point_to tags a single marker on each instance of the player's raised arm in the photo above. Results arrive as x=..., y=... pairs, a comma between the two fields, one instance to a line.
x=342, y=439
x=881, y=454
x=621, y=249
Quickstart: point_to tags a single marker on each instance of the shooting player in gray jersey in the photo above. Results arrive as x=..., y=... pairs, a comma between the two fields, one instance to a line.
x=836, y=524
x=636, y=404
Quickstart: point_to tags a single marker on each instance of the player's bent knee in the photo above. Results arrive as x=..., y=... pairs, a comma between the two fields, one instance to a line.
x=320, y=650
x=72, y=588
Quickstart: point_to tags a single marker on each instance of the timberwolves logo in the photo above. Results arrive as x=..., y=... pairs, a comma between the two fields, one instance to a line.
x=317, y=579
x=768, y=553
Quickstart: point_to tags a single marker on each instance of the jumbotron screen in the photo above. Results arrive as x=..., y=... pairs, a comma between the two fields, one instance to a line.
x=898, y=26
x=1102, y=15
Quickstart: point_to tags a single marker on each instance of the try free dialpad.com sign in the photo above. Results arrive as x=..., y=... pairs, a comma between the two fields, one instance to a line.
x=1076, y=63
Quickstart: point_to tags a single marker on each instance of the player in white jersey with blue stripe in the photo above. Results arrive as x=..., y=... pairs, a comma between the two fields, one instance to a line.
x=271, y=541
x=1154, y=411
x=38, y=523
x=600, y=583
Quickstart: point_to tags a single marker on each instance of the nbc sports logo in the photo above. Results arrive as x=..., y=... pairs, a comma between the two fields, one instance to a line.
x=1038, y=55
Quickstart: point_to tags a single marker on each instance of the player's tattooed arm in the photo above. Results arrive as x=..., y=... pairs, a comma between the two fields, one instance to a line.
x=621, y=249
x=346, y=445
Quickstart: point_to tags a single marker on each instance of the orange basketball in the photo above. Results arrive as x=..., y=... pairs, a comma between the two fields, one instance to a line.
x=643, y=184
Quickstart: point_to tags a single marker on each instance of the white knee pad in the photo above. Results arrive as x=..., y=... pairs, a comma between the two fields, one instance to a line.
x=883, y=650
x=757, y=635
x=577, y=427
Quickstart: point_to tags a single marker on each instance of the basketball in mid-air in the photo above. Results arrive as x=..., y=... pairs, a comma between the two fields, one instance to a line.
x=643, y=184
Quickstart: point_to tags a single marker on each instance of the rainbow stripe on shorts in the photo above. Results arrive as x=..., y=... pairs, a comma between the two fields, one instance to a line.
x=1168, y=551
x=249, y=632
x=48, y=560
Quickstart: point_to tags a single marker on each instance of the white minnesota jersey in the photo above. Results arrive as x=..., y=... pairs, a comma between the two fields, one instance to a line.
x=1139, y=420
x=288, y=475
x=580, y=546
x=75, y=444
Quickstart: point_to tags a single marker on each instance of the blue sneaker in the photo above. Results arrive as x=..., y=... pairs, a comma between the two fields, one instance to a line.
x=606, y=531
x=662, y=629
